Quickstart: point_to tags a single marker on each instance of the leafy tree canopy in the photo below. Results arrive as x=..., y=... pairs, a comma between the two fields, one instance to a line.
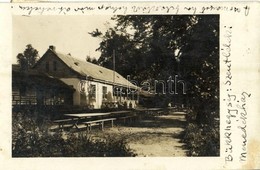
x=154, y=47
x=28, y=58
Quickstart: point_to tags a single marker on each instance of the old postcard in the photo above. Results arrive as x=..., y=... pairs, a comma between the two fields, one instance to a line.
x=152, y=85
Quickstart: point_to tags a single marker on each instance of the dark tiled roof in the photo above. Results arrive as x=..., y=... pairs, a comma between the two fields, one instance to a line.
x=94, y=71
x=32, y=77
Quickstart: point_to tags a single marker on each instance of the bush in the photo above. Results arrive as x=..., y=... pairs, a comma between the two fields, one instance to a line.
x=201, y=139
x=32, y=140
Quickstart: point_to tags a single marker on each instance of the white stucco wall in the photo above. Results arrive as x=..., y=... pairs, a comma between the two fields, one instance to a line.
x=75, y=82
x=77, y=97
x=99, y=93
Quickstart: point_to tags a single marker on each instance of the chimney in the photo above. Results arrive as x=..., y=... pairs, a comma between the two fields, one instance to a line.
x=52, y=47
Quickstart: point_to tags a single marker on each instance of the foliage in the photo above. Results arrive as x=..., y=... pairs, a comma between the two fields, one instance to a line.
x=30, y=140
x=126, y=58
x=155, y=47
x=201, y=139
x=91, y=60
x=28, y=58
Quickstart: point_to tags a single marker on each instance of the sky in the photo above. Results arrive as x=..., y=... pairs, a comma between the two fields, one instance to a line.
x=69, y=34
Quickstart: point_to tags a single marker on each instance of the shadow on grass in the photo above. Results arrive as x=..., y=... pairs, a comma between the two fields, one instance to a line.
x=170, y=121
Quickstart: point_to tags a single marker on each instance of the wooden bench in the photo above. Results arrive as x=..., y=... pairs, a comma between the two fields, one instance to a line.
x=64, y=123
x=100, y=122
x=127, y=117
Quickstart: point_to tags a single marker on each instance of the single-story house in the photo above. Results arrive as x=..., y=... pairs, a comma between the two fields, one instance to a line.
x=95, y=86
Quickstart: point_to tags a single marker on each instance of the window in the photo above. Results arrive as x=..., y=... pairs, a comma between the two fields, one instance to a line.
x=54, y=66
x=82, y=86
x=104, y=92
x=47, y=66
x=92, y=91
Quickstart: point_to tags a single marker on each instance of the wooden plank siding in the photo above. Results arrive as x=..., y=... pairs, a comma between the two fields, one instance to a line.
x=32, y=88
x=18, y=99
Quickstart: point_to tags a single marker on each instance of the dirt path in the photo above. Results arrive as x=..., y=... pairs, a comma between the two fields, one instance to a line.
x=157, y=136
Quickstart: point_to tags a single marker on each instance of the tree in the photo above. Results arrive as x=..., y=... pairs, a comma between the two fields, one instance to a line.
x=92, y=60
x=203, y=72
x=128, y=57
x=154, y=47
x=165, y=45
x=28, y=58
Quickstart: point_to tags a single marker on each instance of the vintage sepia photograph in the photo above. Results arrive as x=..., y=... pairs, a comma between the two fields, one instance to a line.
x=115, y=86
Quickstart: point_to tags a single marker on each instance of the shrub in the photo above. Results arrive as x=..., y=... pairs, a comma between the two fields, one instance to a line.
x=202, y=139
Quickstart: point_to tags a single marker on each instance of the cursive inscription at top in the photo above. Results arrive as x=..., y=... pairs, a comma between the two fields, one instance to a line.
x=129, y=9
